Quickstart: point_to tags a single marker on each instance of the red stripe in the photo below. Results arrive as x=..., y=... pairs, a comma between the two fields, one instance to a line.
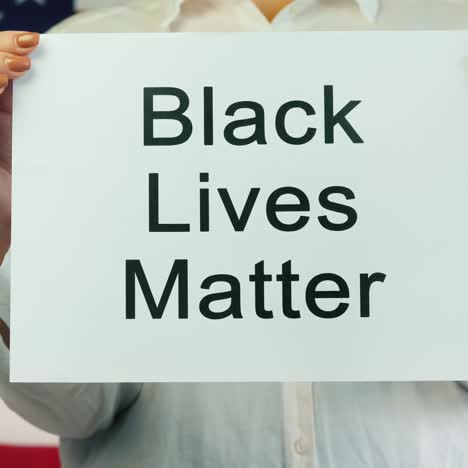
x=28, y=457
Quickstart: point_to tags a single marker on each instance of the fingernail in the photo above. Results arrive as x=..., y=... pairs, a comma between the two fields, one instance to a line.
x=18, y=64
x=27, y=40
x=3, y=82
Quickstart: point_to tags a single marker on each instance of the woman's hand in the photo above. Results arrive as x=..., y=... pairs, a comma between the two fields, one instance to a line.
x=15, y=46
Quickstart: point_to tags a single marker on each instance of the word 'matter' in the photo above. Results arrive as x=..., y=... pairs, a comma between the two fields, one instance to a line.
x=331, y=119
x=232, y=292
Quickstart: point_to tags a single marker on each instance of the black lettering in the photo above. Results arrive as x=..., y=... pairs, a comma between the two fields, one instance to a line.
x=366, y=282
x=281, y=123
x=208, y=116
x=150, y=115
x=258, y=122
x=154, y=224
x=349, y=212
x=239, y=222
x=179, y=273
x=273, y=208
x=234, y=294
x=340, y=118
x=204, y=204
x=259, y=279
x=287, y=278
x=312, y=295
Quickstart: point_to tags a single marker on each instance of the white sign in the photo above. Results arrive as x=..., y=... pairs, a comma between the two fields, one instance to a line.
x=255, y=207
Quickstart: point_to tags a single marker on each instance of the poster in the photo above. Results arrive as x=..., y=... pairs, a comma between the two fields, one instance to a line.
x=255, y=207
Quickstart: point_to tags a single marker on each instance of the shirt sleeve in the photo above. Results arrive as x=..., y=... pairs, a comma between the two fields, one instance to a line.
x=72, y=411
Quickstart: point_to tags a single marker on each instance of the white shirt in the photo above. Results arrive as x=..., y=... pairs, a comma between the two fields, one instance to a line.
x=301, y=15
x=395, y=425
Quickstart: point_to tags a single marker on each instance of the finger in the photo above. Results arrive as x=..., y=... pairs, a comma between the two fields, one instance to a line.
x=14, y=65
x=18, y=42
x=3, y=82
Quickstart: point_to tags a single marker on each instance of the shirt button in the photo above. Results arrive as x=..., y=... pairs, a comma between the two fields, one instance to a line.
x=301, y=447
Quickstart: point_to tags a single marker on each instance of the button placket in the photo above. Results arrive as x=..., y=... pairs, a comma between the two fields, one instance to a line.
x=298, y=425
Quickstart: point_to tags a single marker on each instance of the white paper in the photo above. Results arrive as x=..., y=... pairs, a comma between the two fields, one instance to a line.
x=80, y=208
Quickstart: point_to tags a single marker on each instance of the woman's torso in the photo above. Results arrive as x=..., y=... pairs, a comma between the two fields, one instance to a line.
x=397, y=425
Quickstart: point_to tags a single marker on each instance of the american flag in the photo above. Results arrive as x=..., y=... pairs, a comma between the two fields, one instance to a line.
x=33, y=15
x=40, y=15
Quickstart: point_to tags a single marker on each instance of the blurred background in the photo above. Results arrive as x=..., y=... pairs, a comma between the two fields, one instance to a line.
x=21, y=445
x=40, y=15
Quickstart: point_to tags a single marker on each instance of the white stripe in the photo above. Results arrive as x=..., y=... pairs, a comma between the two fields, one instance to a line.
x=93, y=4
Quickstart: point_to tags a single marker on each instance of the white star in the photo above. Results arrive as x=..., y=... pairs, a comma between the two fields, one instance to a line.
x=39, y=2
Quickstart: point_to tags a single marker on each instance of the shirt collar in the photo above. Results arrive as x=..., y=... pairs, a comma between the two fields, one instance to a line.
x=369, y=8
x=168, y=10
